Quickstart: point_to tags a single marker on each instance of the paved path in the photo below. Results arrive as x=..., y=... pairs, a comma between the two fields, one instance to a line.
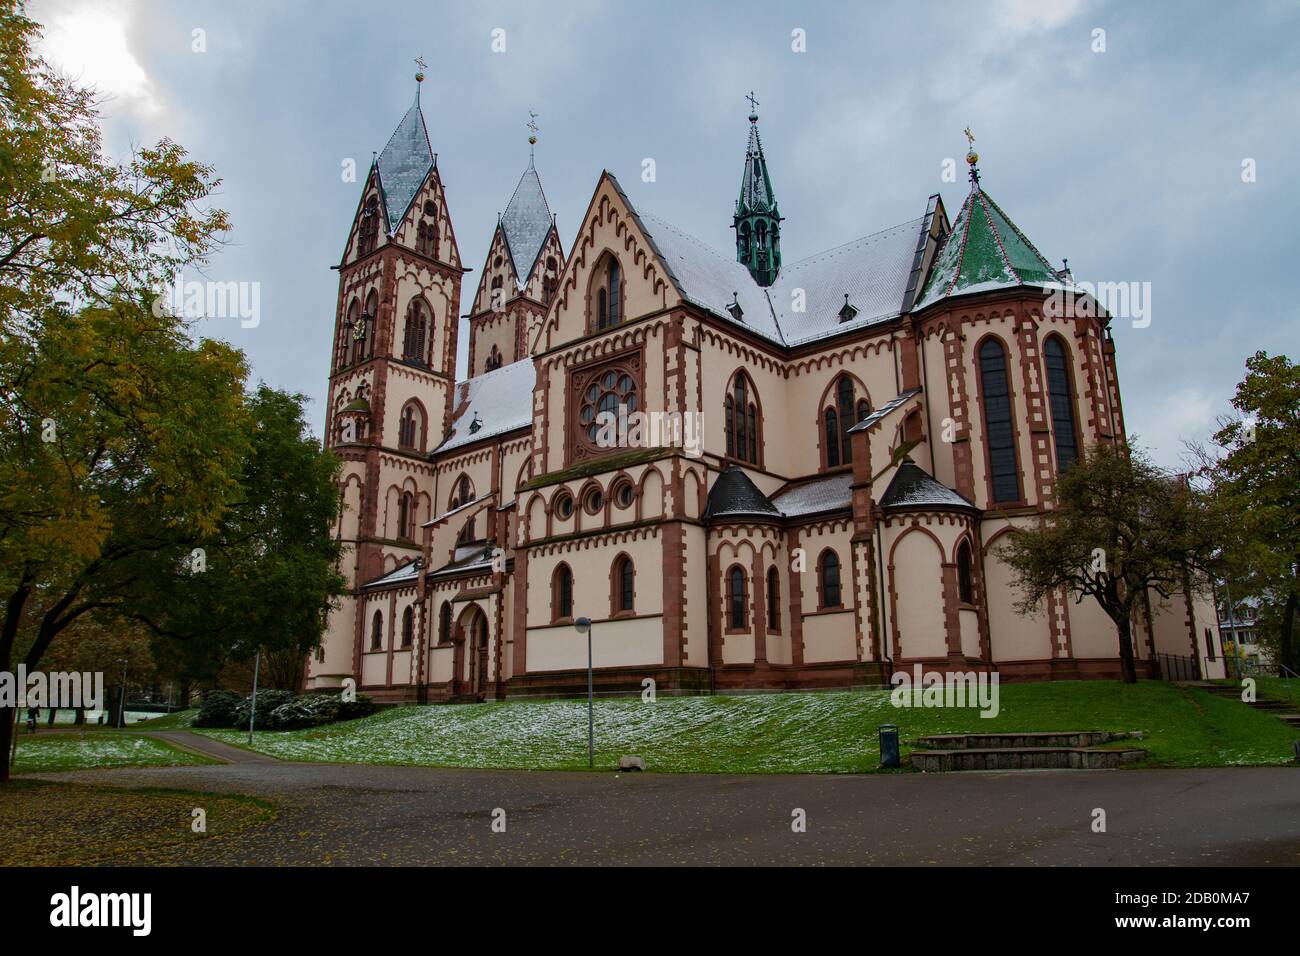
x=209, y=747
x=350, y=814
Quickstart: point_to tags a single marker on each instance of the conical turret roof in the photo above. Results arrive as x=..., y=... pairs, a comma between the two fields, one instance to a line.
x=526, y=223
x=404, y=164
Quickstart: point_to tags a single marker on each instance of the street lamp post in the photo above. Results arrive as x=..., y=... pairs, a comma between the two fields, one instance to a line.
x=583, y=624
x=121, y=706
x=252, y=709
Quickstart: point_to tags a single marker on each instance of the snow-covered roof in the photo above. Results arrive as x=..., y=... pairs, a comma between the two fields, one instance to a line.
x=400, y=575
x=526, y=222
x=832, y=493
x=873, y=271
x=467, y=558
x=710, y=279
x=500, y=401
x=734, y=494
x=805, y=302
x=404, y=164
x=912, y=488
x=884, y=410
x=457, y=510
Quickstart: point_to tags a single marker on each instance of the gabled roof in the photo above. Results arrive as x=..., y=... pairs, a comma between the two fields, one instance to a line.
x=500, y=400
x=404, y=164
x=733, y=495
x=912, y=488
x=526, y=223
x=468, y=558
x=985, y=251
x=403, y=574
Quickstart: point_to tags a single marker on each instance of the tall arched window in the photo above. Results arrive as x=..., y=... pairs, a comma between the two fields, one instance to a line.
x=773, y=600
x=843, y=410
x=408, y=626
x=348, y=331
x=741, y=417
x=406, y=517
x=736, y=599
x=369, y=230
x=995, y=390
x=965, y=587
x=829, y=572
x=562, y=593
x=624, y=590
x=409, y=427
x=444, y=623
x=416, y=326
x=463, y=494
x=377, y=632
x=493, y=360
x=1060, y=392
x=607, y=294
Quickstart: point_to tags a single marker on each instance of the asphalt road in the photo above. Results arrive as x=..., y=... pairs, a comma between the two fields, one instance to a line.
x=349, y=814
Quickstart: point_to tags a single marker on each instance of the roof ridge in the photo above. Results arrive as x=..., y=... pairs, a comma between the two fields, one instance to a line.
x=997, y=237
x=1019, y=233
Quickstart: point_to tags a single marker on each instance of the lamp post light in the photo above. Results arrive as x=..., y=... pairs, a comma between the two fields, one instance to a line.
x=121, y=707
x=583, y=626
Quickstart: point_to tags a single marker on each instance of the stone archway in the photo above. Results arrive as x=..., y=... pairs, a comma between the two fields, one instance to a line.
x=470, y=663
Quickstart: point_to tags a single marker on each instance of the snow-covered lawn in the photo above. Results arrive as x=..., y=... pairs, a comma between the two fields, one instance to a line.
x=101, y=748
x=777, y=733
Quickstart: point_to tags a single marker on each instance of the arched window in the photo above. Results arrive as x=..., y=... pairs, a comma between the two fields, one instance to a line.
x=773, y=600
x=965, y=589
x=624, y=592
x=416, y=326
x=406, y=517
x=426, y=234
x=377, y=631
x=736, y=599
x=369, y=230
x=493, y=360
x=562, y=593
x=607, y=296
x=832, y=438
x=409, y=427
x=741, y=417
x=348, y=331
x=408, y=626
x=603, y=391
x=995, y=390
x=1060, y=392
x=829, y=572
x=444, y=623
x=843, y=410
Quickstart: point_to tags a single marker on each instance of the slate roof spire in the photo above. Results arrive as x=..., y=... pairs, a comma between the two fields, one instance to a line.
x=527, y=220
x=757, y=219
x=405, y=162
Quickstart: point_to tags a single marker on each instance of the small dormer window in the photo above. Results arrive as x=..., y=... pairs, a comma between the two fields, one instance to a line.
x=475, y=425
x=847, y=312
x=734, y=308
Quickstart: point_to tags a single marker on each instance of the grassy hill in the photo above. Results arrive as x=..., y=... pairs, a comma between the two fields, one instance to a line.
x=779, y=733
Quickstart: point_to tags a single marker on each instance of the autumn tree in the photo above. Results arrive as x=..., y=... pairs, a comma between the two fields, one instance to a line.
x=1121, y=527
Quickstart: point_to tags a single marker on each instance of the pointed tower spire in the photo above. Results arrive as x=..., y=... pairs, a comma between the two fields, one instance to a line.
x=757, y=220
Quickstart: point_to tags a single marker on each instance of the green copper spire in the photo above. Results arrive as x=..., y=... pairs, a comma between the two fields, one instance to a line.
x=757, y=220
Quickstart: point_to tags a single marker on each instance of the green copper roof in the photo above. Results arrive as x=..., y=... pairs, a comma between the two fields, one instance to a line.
x=757, y=220
x=985, y=251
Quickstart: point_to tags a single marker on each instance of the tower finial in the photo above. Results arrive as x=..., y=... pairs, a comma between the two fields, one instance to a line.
x=532, y=133
x=753, y=107
x=419, y=76
x=972, y=159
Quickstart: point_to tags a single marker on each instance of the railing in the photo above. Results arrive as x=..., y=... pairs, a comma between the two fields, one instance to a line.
x=1174, y=667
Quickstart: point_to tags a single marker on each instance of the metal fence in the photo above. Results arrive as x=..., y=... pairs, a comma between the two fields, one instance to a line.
x=1174, y=667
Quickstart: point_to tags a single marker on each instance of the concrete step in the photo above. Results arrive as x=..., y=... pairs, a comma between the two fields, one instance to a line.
x=1292, y=719
x=1023, y=758
x=1013, y=741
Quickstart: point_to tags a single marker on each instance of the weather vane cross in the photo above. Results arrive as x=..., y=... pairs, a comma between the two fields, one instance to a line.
x=419, y=61
x=532, y=122
x=970, y=137
x=753, y=103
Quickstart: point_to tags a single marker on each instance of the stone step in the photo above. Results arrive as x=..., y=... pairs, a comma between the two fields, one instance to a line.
x=1024, y=758
x=1292, y=719
x=1017, y=740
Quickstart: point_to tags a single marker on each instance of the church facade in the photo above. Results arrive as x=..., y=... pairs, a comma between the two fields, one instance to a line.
x=747, y=473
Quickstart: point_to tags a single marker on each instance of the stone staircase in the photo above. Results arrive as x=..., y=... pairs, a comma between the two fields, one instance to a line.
x=1046, y=750
x=1280, y=709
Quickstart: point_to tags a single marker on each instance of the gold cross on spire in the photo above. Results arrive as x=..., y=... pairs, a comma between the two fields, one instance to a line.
x=970, y=137
x=753, y=103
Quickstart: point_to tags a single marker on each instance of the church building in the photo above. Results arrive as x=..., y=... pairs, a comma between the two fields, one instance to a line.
x=746, y=472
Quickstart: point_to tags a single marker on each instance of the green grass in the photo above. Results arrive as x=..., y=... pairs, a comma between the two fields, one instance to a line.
x=779, y=733
x=177, y=720
x=69, y=750
x=1279, y=689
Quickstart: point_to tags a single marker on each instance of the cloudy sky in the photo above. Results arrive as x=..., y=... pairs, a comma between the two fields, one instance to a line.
x=1128, y=161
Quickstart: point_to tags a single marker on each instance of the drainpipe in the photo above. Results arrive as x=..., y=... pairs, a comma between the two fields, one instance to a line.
x=884, y=615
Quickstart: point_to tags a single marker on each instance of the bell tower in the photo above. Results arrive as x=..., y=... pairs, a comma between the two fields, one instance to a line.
x=757, y=220
x=392, y=373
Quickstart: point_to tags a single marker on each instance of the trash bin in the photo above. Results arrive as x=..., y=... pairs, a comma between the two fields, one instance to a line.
x=889, y=745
